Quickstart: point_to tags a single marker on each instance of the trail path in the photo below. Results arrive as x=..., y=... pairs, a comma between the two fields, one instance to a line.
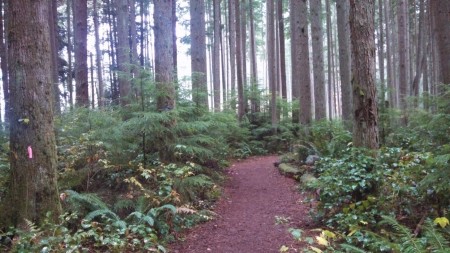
x=255, y=195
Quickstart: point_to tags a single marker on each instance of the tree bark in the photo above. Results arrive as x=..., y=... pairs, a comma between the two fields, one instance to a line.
x=253, y=67
x=123, y=52
x=33, y=188
x=330, y=79
x=239, y=62
x=318, y=65
x=342, y=9
x=365, y=123
x=403, y=56
x=164, y=69
x=198, y=53
x=216, y=54
x=303, y=62
x=271, y=68
x=4, y=64
x=98, y=57
x=80, y=39
x=53, y=23
x=441, y=19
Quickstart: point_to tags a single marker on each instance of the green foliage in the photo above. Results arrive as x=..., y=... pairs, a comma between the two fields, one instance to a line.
x=346, y=187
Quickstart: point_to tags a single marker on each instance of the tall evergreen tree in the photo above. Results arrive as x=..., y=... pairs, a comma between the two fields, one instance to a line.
x=80, y=40
x=318, y=65
x=198, y=53
x=362, y=29
x=164, y=69
x=33, y=188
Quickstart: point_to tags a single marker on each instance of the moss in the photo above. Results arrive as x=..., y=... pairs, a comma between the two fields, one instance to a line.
x=289, y=170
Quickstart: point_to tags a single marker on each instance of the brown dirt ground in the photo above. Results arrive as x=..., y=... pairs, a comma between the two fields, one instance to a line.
x=254, y=196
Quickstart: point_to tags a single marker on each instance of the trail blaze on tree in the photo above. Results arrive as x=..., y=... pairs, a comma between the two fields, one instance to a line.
x=33, y=190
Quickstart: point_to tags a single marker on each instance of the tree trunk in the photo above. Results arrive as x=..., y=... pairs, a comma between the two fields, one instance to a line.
x=216, y=54
x=318, y=65
x=403, y=56
x=381, y=67
x=390, y=80
x=239, y=62
x=198, y=53
x=282, y=53
x=174, y=39
x=53, y=19
x=232, y=48
x=342, y=9
x=420, y=54
x=271, y=68
x=365, y=123
x=441, y=29
x=98, y=57
x=303, y=61
x=253, y=67
x=164, y=69
x=33, y=189
x=330, y=61
x=80, y=37
x=4, y=64
x=123, y=51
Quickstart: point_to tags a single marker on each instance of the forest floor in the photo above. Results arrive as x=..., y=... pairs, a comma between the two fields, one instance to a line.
x=257, y=208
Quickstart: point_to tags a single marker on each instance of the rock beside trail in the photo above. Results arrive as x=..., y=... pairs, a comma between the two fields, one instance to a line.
x=307, y=178
x=290, y=170
x=312, y=159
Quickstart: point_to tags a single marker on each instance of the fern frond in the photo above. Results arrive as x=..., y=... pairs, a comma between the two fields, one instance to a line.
x=89, y=201
x=351, y=248
x=436, y=240
x=102, y=212
x=408, y=242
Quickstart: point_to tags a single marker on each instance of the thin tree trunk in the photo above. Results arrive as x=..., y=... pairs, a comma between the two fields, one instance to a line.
x=403, y=57
x=81, y=69
x=4, y=64
x=282, y=53
x=318, y=65
x=53, y=19
x=123, y=52
x=239, y=62
x=330, y=62
x=232, y=48
x=271, y=68
x=390, y=82
x=216, y=55
x=381, y=67
x=98, y=56
x=253, y=66
x=342, y=9
x=420, y=54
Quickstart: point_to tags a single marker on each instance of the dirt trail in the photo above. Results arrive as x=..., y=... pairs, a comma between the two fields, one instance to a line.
x=255, y=196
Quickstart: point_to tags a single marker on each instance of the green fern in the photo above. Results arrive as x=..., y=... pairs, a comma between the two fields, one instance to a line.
x=436, y=239
x=406, y=240
x=191, y=187
x=352, y=249
x=85, y=201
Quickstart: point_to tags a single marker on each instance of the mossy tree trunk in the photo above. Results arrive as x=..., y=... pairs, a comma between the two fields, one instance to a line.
x=33, y=187
x=362, y=28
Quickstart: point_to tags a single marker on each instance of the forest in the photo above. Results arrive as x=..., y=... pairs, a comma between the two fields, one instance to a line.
x=125, y=124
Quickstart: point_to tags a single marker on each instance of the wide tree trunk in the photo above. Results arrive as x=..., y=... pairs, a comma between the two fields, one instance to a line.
x=33, y=188
x=365, y=123
x=164, y=69
x=80, y=38
x=441, y=30
x=198, y=53
x=302, y=56
x=318, y=65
